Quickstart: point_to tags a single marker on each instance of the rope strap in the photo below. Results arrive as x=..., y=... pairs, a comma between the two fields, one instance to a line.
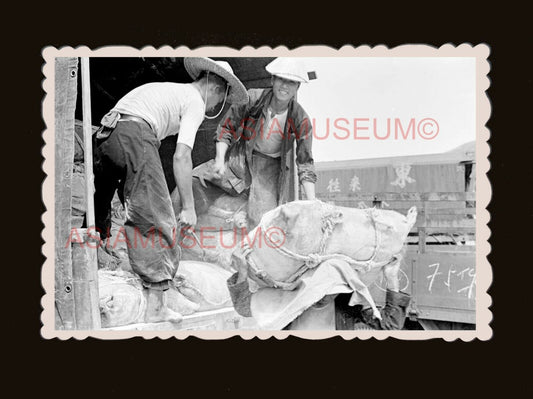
x=313, y=260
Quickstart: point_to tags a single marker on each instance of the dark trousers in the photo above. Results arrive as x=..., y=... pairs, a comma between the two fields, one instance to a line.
x=128, y=160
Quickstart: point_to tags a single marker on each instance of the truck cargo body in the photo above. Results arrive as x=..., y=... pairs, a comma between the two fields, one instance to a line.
x=439, y=264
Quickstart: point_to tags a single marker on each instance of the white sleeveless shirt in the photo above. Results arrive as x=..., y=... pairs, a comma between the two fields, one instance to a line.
x=169, y=108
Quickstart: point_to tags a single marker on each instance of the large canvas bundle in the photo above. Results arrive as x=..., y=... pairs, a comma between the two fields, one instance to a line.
x=372, y=236
x=196, y=287
x=296, y=242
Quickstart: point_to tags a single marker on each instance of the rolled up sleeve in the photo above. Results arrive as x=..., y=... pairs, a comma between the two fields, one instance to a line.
x=230, y=125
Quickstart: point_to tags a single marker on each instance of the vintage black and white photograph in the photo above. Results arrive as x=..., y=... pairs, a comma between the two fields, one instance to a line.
x=313, y=192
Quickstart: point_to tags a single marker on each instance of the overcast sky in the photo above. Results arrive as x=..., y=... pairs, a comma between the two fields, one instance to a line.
x=397, y=88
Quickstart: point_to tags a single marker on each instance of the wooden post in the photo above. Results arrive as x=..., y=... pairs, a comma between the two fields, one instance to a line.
x=85, y=263
x=422, y=229
x=65, y=91
x=85, y=282
x=87, y=139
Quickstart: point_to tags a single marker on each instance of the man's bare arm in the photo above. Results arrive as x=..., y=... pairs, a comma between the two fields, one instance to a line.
x=309, y=189
x=219, y=166
x=182, y=166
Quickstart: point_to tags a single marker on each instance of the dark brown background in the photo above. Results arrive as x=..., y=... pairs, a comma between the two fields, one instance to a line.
x=333, y=367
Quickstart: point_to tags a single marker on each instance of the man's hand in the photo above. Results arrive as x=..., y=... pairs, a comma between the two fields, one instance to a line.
x=219, y=167
x=187, y=217
x=182, y=166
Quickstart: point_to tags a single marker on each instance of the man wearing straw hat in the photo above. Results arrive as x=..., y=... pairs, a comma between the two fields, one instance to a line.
x=253, y=140
x=127, y=159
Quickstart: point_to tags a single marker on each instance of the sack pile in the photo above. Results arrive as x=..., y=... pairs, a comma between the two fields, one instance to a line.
x=197, y=286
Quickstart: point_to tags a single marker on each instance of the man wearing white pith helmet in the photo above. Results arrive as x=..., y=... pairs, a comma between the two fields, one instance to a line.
x=127, y=160
x=254, y=138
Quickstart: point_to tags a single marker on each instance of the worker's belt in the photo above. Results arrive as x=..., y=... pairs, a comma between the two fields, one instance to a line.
x=133, y=119
x=260, y=154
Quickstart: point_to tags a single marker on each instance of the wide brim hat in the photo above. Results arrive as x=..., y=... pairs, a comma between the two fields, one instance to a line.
x=237, y=92
x=289, y=68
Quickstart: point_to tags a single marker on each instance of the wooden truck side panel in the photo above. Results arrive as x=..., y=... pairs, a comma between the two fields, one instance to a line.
x=438, y=268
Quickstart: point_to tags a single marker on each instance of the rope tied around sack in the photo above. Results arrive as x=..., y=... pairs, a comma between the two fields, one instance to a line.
x=330, y=220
